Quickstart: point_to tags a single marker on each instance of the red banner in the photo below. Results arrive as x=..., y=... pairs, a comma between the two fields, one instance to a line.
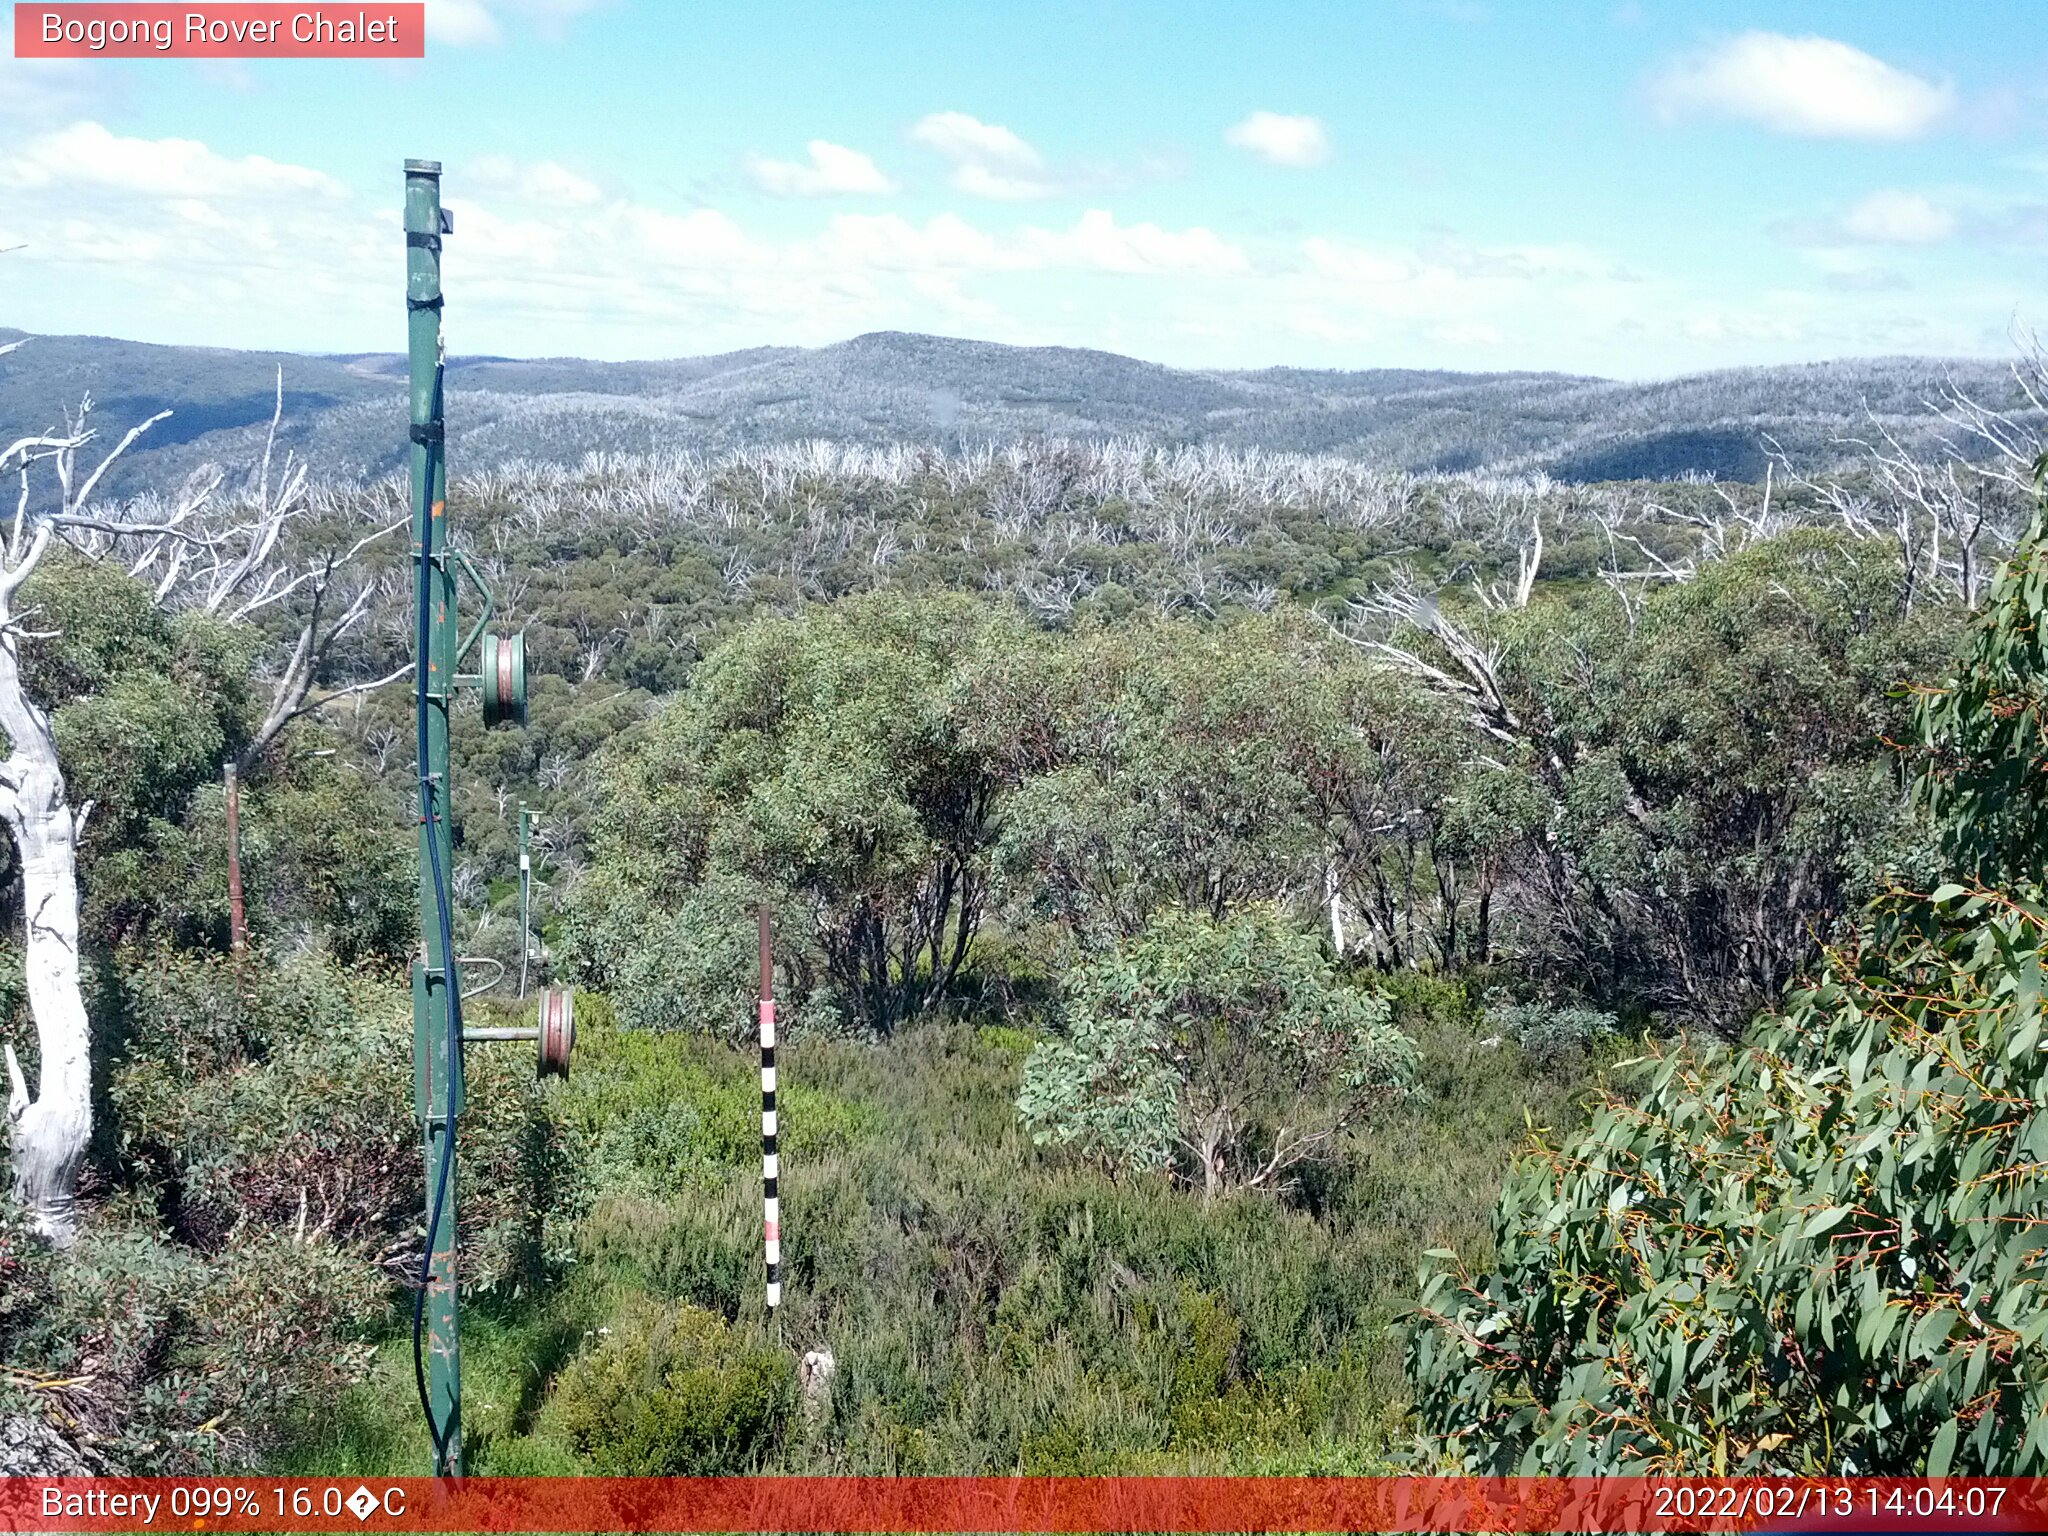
x=990, y=1504
x=375, y=30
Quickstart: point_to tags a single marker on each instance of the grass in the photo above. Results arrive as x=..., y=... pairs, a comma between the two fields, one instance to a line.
x=991, y=1307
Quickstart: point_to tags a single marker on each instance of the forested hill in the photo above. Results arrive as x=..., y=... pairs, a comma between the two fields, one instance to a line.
x=346, y=412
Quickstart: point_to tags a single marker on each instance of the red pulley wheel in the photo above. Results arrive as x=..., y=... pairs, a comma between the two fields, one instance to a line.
x=557, y=1030
x=504, y=680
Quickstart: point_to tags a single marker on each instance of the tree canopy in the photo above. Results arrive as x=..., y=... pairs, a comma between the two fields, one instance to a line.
x=1821, y=1252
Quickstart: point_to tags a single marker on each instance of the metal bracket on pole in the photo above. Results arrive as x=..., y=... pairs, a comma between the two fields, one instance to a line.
x=464, y=566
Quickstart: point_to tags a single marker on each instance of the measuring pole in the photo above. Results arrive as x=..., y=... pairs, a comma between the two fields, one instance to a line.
x=238, y=922
x=771, y=1212
x=437, y=1048
x=525, y=895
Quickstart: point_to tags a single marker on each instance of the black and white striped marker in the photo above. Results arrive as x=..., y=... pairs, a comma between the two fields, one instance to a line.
x=771, y=1205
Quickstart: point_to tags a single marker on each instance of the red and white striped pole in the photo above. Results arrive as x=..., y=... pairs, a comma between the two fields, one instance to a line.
x=771, y=1214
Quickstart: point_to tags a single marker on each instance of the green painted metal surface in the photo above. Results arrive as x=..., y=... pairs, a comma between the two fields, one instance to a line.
x=437, y=1061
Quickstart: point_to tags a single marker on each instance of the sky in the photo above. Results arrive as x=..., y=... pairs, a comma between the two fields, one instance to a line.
x=1629, y=188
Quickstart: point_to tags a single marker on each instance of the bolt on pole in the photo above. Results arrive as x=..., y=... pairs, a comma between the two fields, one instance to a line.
x=437, y=1055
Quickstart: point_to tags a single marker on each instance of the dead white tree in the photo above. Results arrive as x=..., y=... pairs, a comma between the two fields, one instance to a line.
x=1465, y=667
x=50, y=1129
x=279, y=550
x=230, y=560
x=1951, y=512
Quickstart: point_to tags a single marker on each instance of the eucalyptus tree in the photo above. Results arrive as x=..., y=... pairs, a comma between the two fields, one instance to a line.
x=233, y=561
x=1712, y=789
x=51, y=1128
x=1819, y=1253
x=823, y=762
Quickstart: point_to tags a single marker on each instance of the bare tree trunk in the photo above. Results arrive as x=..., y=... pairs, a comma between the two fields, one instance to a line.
x=50, y=1132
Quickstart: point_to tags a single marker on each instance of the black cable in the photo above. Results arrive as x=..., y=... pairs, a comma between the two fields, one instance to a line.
x=429, y=819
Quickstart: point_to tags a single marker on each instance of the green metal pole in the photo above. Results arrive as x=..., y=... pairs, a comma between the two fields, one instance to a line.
x=437, y=1060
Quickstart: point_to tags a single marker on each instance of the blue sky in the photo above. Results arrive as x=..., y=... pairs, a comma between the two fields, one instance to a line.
x=1630, y=188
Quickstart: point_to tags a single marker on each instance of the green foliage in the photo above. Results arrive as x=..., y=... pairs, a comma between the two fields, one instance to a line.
x=1813, y=1255
x=1229, y=1052
x=147, y=1328
x=254, y=1096
x=1159, y=763
x=145, y=708
x=1985, y=733
x=674, y=1392
x=823, y=762
x=694, y=964
x=1714, y=783
x=1819, y=1253
x=991, y=1308
x=947, y=807
x=643, y=1117
x=1555, y=1035
x=26, y=1286
x=326, y=856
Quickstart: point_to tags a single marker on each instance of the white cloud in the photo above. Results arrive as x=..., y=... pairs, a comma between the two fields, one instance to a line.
x=475, y=23
x=1468, y=333
x=1280, y=139
x=1093, y=243
x=1097, y=241
x=1354, y=264
x=40, y=90
x=988, y=160
x=172, y=240
x=462, y=23
x=1889, y=216
x=86, y=155
x=703, y=237
x=964, y=139
x=1815, y=87
x=1897, y=218
x=256, y=252
x=832, y=170
x=543, y=182
x=888, y=242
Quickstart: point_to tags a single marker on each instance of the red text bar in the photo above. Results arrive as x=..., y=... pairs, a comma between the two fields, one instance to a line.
x=376, y=30
x=990, y=1504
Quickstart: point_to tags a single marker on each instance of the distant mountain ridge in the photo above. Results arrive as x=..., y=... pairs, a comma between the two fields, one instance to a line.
x=347, y=412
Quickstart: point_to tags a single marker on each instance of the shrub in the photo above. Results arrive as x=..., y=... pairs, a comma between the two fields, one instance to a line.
x=1557, y=1036
x=1814, y=1255
x=674, y=1392
x=251, y=1091
x=187, y=1363
x=1229, y=1052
